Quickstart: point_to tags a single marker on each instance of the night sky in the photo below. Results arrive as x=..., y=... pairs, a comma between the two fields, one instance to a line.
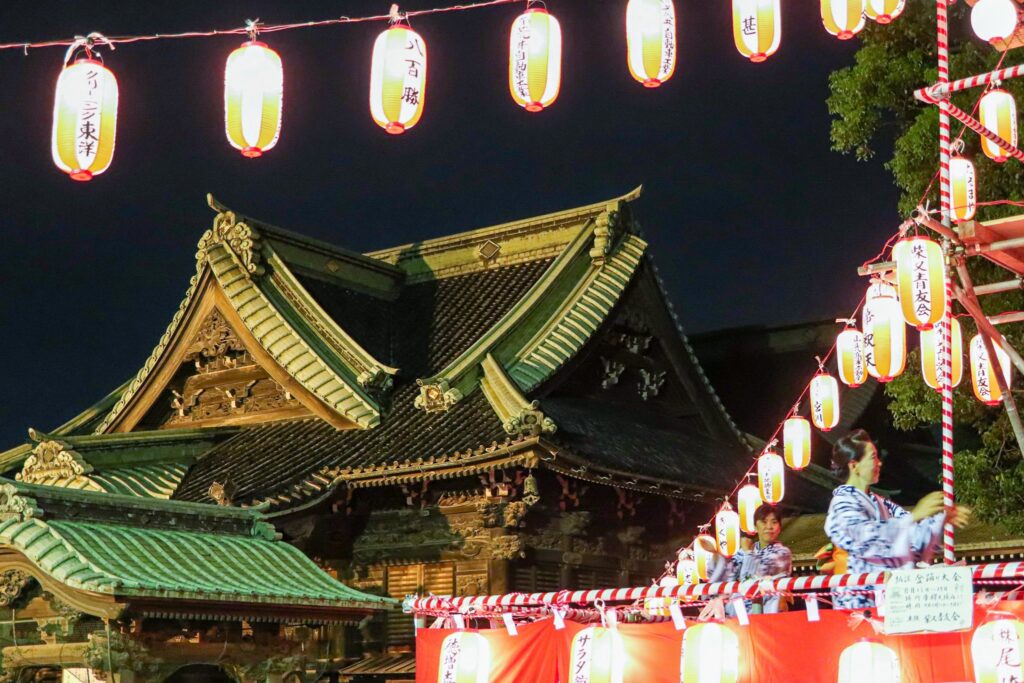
x=752, y=219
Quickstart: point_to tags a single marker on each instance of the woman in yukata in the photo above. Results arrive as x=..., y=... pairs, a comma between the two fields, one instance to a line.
x=765, y=559
x=876, y=532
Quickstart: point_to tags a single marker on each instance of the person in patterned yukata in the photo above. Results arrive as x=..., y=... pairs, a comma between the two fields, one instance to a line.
x=876, y=532
x=767, y=558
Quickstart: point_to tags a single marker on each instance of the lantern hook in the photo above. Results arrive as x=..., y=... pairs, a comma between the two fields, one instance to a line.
x=87, y=43
x=775, y=442
x=821, y=363
x=252, y=27
x=796, y=408
x=395, y=16
x=849, y=322
x=531, y=3
x=958, y=146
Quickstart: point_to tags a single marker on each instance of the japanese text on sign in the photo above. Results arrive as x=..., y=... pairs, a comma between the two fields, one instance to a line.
x=938, y=600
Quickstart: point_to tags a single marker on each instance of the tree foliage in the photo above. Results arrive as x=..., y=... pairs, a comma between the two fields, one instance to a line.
x=874, y=111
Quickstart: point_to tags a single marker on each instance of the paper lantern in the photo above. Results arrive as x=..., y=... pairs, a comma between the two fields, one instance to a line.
x=932, y=342
x=885, y=338
x=879, y=288
x=921, y=280
x=651, y=40
x=853, y=369
x=84, y=119
x=869, y=660
x=748, y=499
x=711, y=654
x=994, y=20
x=843, y=18
x=686, y=569
x=727, y=531
x=535, y=59
x=465, y=658
x=986, y=387
x=771, y=477
x=756, y=28
x=398, y=79
x=796, y=439
x=824, y=392
x=704, y=550
x=997, y=111
x=659, y=607
x=964, y=189
x=883, y=11
x=996, y=649
x=597, y=656
x=253, y=90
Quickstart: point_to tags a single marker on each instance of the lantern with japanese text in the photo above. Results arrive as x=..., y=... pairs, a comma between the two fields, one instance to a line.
x=704, y=550
x=748, y=499
x=796, y=440
x=994, y=20
x=771, y=472
x=710, y=654
x=843, y=18
x=963, y=185
x=932, y=343
x=824, y=392
x=756, y=28
x=398, y=79
x=997, y=111
x=879, y=288
x=659, y=607
x=597, y=655
x=535, y=59
x=869, y=660
x=996, y=649
x=84, y=118
x=883, y=11
x=465, y=658
x=986, y=387
x=651, y=40
x=921, y=279
x=253, y=91
x=853, y=369
x=885, y=338
x=727, y=531
x=686, y=569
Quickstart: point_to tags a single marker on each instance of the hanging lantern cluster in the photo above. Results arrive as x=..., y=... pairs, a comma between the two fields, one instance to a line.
x=253, y=91
x=824, y=392
x=727, y=531
x=843, y=18
x=883, y=11
x=796, y=440
x=748, y=499
x=535, y=59
x=932, y=343
x=756, y=28
x=986, y=386
x=996, y=649
x=651, y=40
x=771, y=473
x=997, y=111
x=398, y=79
x=885, y=343
x=921, y=280
x=964, y=189
x=850, y=358
x=869, y=660
x=711, y=654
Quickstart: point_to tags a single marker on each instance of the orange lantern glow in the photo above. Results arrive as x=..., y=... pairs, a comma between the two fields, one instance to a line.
x=843, y=18
x=398, y=79
x=84, y=119
x=686, y=569
x=704, y=551
x=796, y=439
x=869, y=660
x=465, y=658
x=253, y=91
x=727, y=531
x=921, y=280
x=996, y=649
x=986, y=387
x=883, y=11
x=932, y=342
x=748, y=499
x=597, y=655
x=756, y=28
x=964, y=189
x=853, y=369
x=824, y=392
x=997, y=111
x=885, y=338
x=659, y=607
x=535, y=59
x=651, y=40
x=771, y=480
x=711, y=654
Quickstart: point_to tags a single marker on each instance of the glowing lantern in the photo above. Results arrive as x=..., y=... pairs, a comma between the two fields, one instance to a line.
x=253, y=90
x=879, y=288
x=996, y=649
x=921, y=278
x=535, y=59
x=398, y=79
x=748, y=499
x=998, y=112
x=704, y=549
x=84, y=119
x=659, y=607
x=843, y=18
x=796, y=439
x=727, y=531
x=598, y=655
x=883, y=11
x=711, y=654
x=756, y=28
x=885, y=338
x=869, y=660
x=651, y=40
x=465, y=658
x=932, y=342
x=994, y=20
x=824, y=393
x=686, y=570
x=771, y=477
x=853, y=369
x=986, y=388
x=964, y=188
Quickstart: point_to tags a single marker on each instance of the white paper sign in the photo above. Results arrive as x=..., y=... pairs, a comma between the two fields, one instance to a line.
x=510, y=624
x=677, y=616
x=937, y=600
x=812, y=608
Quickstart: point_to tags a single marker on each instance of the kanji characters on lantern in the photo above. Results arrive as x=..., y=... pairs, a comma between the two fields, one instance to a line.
x=933, y=342
x=824, y=393
x=850, y=358
x=727, y=531
x=796, y=441
x=771, y=477
x=597, y=655
x=651, y=40
x=885, y=337
x=756, y=28
x=996, y=649
x=843, y=18
x=986, y=386
x=398, y=79
x=465, y=658
x=535, y=59
x=964, y=189
x=686, y=569
x=253, y=90
x=84, y=119
x=997, y=111
x=921, y=280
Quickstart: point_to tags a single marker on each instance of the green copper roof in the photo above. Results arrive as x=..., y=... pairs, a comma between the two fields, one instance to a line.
x=153, y=481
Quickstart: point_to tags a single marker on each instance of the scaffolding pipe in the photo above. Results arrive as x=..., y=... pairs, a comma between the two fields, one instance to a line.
x=999, y=245
x=976, y=125
x=1004, y=318
x=922, y=218
x=999, y=287
x=934, y=93
x=878, y=267
x=974, y=308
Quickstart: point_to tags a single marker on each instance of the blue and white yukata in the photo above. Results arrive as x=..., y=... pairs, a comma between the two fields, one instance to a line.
x=772, y=560
x=878, y=534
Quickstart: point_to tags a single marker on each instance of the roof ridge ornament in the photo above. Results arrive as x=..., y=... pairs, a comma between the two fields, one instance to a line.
x=436, y=397
x=240, y=238
x=608, y=227
x=14, y=504
x=53, y=461
x=519, y=416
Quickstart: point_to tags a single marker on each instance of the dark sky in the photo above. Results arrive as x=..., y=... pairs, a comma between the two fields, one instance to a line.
x=751, y=217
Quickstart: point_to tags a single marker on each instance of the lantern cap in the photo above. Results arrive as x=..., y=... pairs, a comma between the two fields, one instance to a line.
x=88, y=43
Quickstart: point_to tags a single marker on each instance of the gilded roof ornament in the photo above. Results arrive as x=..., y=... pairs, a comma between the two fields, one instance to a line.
x=16, y=505
x=241, y=239
x=437, y=397
x=607, y=229
x=53, y=461
x=519, y=416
